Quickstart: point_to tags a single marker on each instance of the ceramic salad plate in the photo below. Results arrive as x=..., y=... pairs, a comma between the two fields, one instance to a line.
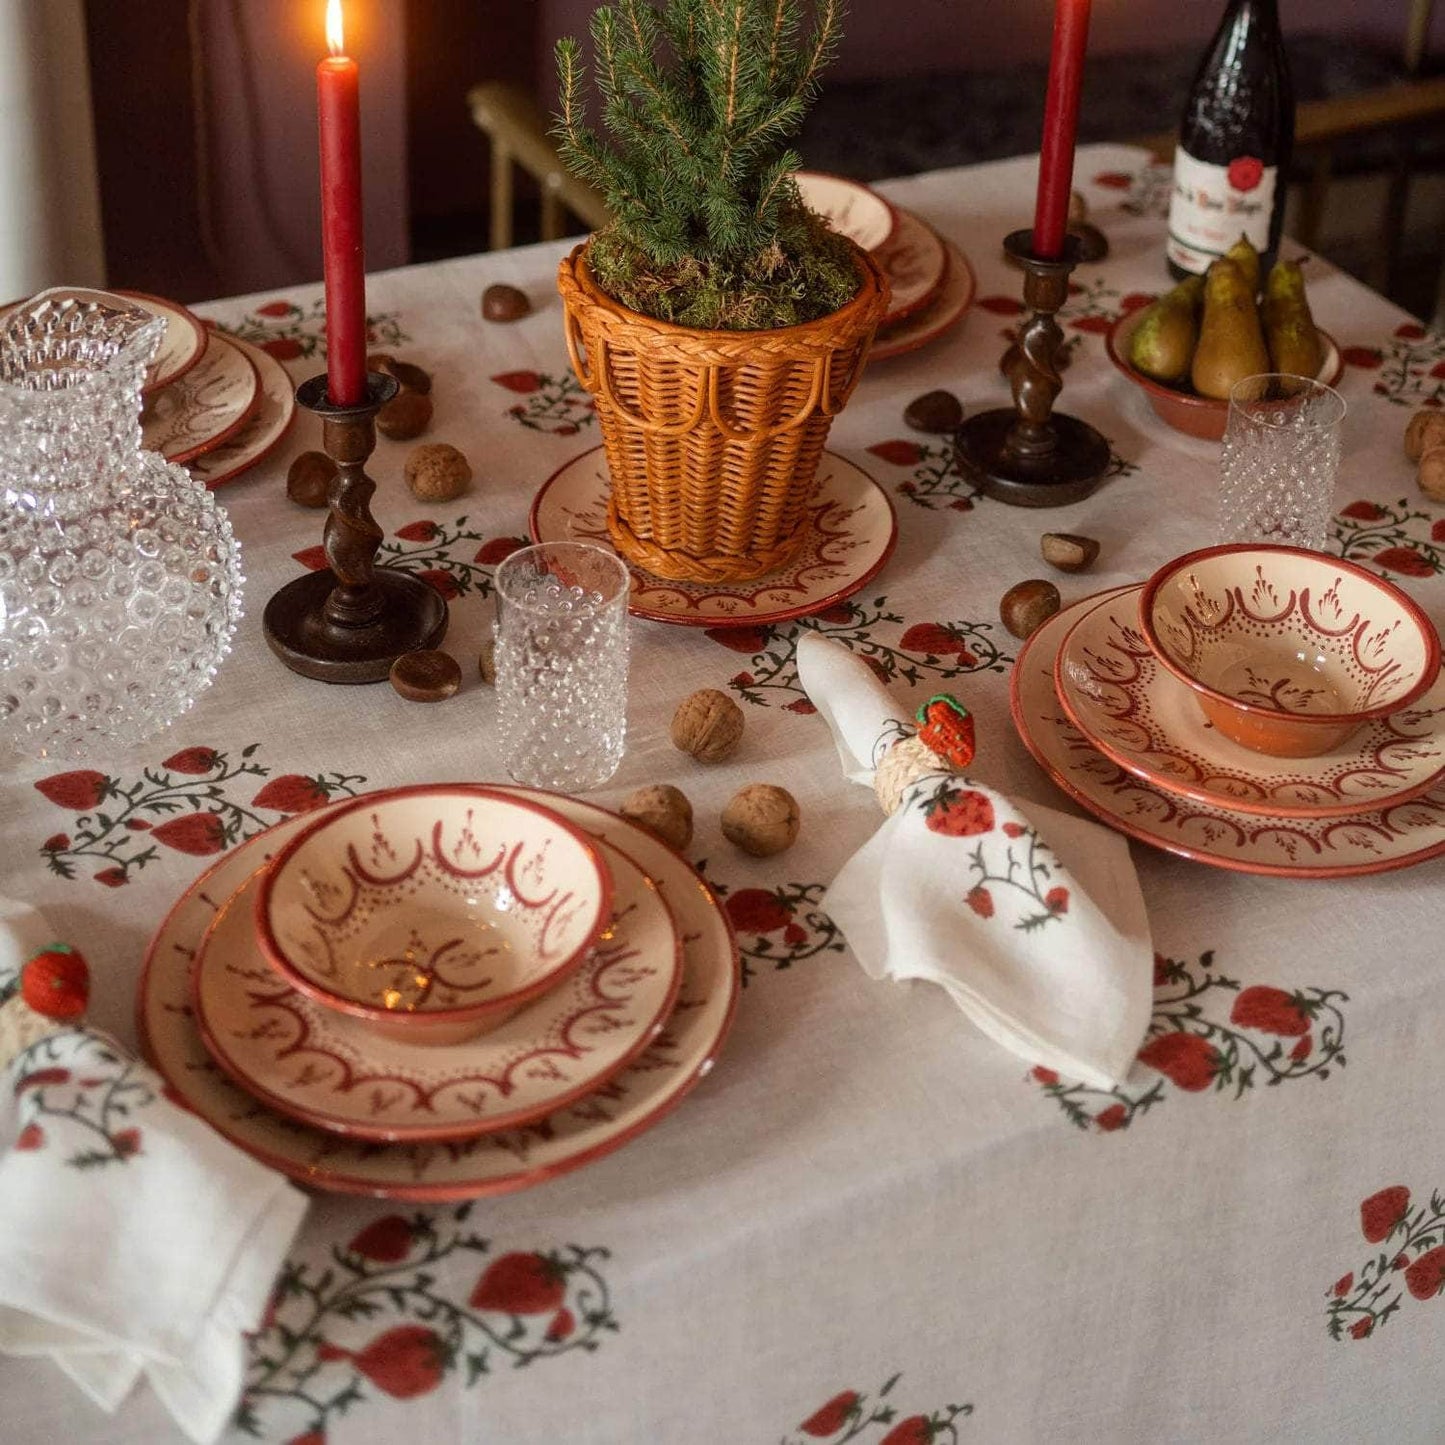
x=317, y=1065
x=1376, y=841
x=915, y=260
x=947, y=308
x=206, y=407
x=261, y=434
x=853, y=533
x=1136, y=713
x=591, y=1127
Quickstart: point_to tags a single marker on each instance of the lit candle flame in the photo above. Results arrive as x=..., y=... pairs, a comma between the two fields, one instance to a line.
x=335, y=36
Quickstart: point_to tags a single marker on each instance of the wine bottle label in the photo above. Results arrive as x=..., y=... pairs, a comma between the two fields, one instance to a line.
x=1212, y=205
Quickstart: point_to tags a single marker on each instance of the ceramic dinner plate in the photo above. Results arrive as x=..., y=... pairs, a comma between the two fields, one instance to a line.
x=1143, y=718
x=262, y=433
x=206, y=407
x=1377, y=841
x=326, y=1069
x=915, y=260
x=852, y=535
x=938, y=317
x=849, y=207
x=593, y=1126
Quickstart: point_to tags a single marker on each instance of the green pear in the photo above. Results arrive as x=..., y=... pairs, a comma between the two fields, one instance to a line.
x=1231, y=343
x=1162, y=342
x=1289, y=329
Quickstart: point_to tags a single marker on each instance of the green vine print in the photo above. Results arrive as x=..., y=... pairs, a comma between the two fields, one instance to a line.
x=186, y=804
x=926, y=650
x=777, y=927
x=1269, y=1034
x=555, y=404
x=294, y=333
x=1400, y=538
x=850, y=1415
x=1411, y=1258
x=384, y=1313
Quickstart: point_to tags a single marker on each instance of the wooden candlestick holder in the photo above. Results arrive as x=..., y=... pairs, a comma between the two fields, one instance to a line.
x=350, y=622
x=1029, y=455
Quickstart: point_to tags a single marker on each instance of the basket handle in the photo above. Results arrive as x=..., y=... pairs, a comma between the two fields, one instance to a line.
x=576, y=348
x=604, y=391
x=816, y=391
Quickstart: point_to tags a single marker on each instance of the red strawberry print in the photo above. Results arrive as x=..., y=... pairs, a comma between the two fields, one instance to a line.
x=194, y=761
x=1382, y=1211
x=1114, y=180
x=1271, y=1011
x=794, y=934
x=498, y=550
x=743, y=679
x=1014, y=830
x=422, y=531
x=962, y=814
x=898, y=452
x=56, y=982
x=1190, y=1061
x=126, y=1143
x=933, y=639
x=440, y=581
x=1002, y=305
x=980, y=900
x=739, y=639
x=291, y=793
x=112, y=877
x=1424, y=1278
x=1431, y=401
x=915, y=1430
x=1367, y=358
x=755, y=910
x=386, y=1240
x=1301, y=1050
x=1437, y=532
x=138, y=825
x=196, y=833
x=877, y=668
x=283, y=348
x=961, y=504
x=830, y=1418
x=1043, y=1075
x=1056, y=900
x=1400, y=1261
x=1137, y=300
x=1410, y=331
x=1094, y=324
x=839, y=612
x=1161, y=969
x=562, y=1325
x=32, y=1136
x=520, y=1284
x=56, y=843
x=801, y=706
x=78, y=791
x=1343, y=1285
x=1114, y=1117
x=275, y=308
x=405, y=1362
x=1363, y=511
x=519, y=381
x=41, y=1079
x=1404, y=560
x=311, y=1437
x=1361, y=1328
x=312, y=557
x=1245, y=172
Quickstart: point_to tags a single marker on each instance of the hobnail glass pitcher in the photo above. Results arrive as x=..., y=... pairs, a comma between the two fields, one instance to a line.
x=120, y=581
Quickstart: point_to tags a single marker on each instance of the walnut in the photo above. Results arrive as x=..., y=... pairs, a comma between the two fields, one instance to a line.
x=709, y=725
x=664, y=811
x=437, y=472
x=762, y=820
x=1425, y=432
x=1431, y=474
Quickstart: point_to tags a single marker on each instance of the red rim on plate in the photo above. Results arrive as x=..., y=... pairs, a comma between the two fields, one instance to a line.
x=193, y=321
x=266, y=430
x=210, y=443
x=947, y=309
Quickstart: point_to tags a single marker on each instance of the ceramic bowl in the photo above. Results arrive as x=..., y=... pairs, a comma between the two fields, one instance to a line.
x=851, y=208
x=1186, y=411
x=433, y=913
x=1288, y=652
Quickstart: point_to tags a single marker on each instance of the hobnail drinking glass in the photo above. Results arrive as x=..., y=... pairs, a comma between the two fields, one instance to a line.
x=1280, y=458
x=561, y=659
x=120, y=582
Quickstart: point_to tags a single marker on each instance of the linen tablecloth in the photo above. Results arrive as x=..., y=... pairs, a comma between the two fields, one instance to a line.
x=869, y=1222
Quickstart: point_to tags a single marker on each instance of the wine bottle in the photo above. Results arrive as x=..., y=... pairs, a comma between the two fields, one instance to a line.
x=1231, y=167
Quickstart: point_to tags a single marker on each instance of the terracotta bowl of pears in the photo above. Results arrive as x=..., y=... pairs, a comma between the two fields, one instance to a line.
x=1176, y=402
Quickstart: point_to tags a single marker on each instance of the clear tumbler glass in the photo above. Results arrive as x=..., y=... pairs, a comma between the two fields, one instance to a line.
x=1281, y=454
x=561, y=658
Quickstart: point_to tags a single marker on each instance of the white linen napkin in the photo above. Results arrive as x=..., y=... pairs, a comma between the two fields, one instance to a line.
x=1044, y=945
x=133, y=1238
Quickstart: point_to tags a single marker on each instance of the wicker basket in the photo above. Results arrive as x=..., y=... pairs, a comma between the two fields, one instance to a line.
x=713, y=437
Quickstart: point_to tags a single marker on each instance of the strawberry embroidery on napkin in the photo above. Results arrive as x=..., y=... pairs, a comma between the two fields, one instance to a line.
x=876, y=1419
x=1411, y=1260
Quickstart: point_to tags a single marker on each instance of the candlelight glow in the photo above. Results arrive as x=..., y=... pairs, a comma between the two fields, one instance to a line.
x=335, y=36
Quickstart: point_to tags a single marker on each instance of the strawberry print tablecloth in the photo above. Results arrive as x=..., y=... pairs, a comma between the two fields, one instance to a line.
x=869, y=1223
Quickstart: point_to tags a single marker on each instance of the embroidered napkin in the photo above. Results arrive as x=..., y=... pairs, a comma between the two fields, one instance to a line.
x=133, y=1238
x=1032, y=920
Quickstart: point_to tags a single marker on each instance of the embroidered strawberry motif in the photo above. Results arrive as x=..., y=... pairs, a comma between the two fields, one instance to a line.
x=1002, y=305
x=521, y=382
x=112, y=877
x=311, y=1437
x=520, y=1284
x=56, y=843
x=283, y=348
x=1424, y=1278
x=126, y=1143
x=1363, y=511
x=1301, y=1050
x=756, y=910
x=1114, y=180
x=1096, y=325
x=32, y=1136
x=1190, y=1061
x=1404, y=560
x=422, y=531
x=748, y=640
x=1056, y=900
x=801, y=706
x=1114, y=1117
x=291, y=793
x=562, y=1324
x=1361, y=1328
x=1383, y=1211
x=1343, y=1285
x=830, y=1418
x=959, y=812
x=1410, y=331
x=498, y=550
x=41, y=1079
x=193, y=761
x=1245, y=173
x=275, y=309
x=899, y=453
x=1136, y=300
x=56, y=982
x=440, y=581
x=312, y=557
x=838, y=613
x=1437, y=532
x=1043, y=1075
x=742, y=679
x=1014, y=830
x=980, y=900
x=405, y=1362
x=79, y=791
x=1271, y=1011
x=138, y=825
x=195, y=833
x=915, y=1430
x=1367, y=358
x=386, y=1240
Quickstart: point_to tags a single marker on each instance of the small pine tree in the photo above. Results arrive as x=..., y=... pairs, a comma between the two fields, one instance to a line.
x=700, y=99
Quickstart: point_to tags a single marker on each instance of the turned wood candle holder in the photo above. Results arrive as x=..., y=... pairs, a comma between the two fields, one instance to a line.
x=1029, y=455
x=350, y=622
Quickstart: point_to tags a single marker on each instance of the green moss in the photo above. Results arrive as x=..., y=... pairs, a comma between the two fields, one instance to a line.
x=808, y=272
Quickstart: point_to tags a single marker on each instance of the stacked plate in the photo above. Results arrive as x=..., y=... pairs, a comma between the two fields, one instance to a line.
x=933, y=284
x=440, y=992
x=1109, y=696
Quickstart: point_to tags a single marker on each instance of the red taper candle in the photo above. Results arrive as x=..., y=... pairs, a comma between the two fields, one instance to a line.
x=338, y=110
x=1061, y=122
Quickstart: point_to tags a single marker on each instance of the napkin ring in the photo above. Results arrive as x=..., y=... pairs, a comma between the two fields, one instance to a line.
x=944, y=743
